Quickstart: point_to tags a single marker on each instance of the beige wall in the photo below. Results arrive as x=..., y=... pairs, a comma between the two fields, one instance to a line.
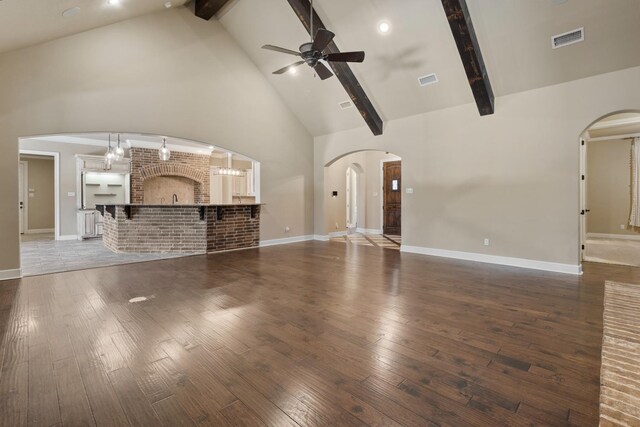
x=66, y=153
x=40, y=193
x=369, y=191
x=511, y=177
x=168, y=73
x=609, y=186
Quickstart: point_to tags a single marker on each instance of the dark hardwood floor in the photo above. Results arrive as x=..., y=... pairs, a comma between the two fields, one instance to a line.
x=309, y=334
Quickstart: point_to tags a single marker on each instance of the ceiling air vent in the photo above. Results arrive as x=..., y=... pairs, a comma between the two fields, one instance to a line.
x=428, y=79
x=345, y=104
x=565, y=39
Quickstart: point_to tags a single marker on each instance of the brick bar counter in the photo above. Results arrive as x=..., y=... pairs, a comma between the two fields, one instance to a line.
x=180, y=228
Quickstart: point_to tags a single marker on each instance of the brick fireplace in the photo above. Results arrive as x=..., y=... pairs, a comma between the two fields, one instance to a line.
x=187, y=169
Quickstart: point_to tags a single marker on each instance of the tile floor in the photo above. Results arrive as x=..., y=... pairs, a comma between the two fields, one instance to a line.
x=40, y=254
x=379, y=240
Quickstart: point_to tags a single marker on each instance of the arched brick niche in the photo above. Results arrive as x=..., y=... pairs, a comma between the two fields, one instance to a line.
x=146, y=165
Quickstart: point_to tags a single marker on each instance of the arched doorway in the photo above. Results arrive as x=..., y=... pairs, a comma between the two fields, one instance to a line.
x=357, y=200
x=609, y=189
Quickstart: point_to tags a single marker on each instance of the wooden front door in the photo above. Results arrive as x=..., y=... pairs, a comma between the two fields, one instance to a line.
x=392, y=193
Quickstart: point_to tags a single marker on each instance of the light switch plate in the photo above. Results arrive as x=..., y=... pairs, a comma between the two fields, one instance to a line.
x=71, y=194
x=409, y=190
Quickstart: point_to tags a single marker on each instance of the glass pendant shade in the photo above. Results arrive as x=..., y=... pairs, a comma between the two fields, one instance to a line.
x=164, y=153
x=118, y=152
x=109, y=155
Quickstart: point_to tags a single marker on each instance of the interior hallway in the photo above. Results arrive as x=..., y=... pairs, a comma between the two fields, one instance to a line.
x=308, y=333
x=612, y=251
x=377, y=240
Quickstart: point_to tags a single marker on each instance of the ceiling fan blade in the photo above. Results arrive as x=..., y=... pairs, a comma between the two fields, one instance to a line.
x=345, y=57
x=322, y=71
x=322, y=39
x=281, y=49
x=288, y=67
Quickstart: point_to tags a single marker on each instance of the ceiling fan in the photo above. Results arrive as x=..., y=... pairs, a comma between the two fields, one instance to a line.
x=312, y=53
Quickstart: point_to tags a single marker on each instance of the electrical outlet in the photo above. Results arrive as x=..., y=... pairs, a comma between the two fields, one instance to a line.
x=287, y=229
x=486, y=242
x=623, y=227
x=409, y=190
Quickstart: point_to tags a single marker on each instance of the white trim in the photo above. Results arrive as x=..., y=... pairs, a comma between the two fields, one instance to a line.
x=67, y=237
x=613, y=123
x=613, y=236
x=25, y=195
x=495, y=259
x=56, y=184
x=286, y=240
x=320, y=238
x=10, y=274
x=612, y=137
x=368, y=231
x=40, y=230
x=337, y=233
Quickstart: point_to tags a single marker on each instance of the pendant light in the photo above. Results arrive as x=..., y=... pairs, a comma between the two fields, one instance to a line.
x=109, y=155
x=118, y=152
x=164, y=152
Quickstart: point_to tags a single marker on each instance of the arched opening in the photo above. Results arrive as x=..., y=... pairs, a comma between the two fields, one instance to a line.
x=362, y=204
x=81, y=177
x=610, y=190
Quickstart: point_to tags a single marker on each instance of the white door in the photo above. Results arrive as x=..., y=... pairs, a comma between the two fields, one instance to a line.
x=352, y=201
x=583, y=196
x=21, y=184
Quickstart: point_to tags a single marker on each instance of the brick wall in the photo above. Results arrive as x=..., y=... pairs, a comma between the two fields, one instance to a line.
x=236, y=229
x=193, y=166
x=170, y=229
x=155, y=229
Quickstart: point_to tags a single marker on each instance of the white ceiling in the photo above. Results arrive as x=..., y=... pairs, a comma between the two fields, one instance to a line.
x=28, y=22
x=514, y=35
x=515, y=39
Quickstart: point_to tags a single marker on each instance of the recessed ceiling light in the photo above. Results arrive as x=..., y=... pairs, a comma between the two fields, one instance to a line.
x=384, y=27
x=71, y=12
x=113, y=2
x=168, y=5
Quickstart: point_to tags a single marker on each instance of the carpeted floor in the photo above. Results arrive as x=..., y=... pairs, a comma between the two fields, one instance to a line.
x=379, y=240
x=613, y=251
x=620, y=371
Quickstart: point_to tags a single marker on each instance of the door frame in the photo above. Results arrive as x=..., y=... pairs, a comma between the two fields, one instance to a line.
x=382, y=162
x=583, y=141
x=56, y=184
x=25, y=196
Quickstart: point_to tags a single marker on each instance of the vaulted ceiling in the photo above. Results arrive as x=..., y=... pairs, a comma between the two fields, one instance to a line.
x=514, y=36
x=28, y=22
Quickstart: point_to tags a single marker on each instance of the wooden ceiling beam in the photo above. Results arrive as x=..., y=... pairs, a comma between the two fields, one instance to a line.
x=205, y=9
x=469, y=49
x=342, y=70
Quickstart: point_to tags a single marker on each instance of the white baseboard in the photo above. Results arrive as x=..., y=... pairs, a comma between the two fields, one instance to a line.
x=495, y=259
x=286, y=240
x=68, y=237
x=321, y=238
x=10, y=274
x=368, y=231
x=614, y=236
x=337, y=233
x=39, y=230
